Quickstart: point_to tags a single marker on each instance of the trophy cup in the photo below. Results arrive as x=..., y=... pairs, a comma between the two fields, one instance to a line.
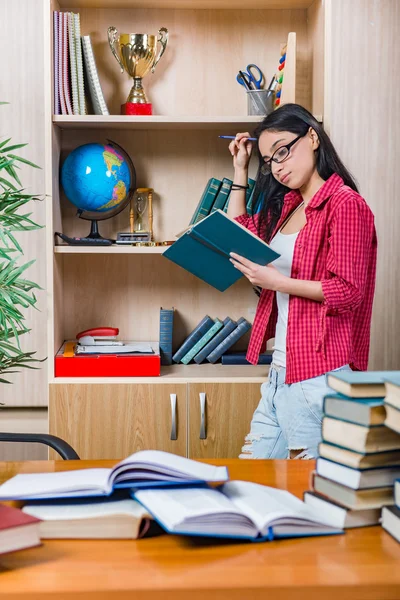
x=136, y=54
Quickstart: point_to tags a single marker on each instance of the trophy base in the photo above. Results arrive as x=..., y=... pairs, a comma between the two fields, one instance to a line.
x=136, y=108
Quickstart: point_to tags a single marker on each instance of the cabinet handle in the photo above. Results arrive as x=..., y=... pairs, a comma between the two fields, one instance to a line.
x=173, y=416
x=203, y=435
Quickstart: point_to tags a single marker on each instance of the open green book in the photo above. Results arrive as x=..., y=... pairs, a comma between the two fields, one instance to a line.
x=237, y=509
x=203, y=249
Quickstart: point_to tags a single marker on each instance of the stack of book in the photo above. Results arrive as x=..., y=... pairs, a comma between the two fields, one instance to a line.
x=216, y=197
x=73, y=63
x=210, y=339
x=359, y=457
x=391, y=514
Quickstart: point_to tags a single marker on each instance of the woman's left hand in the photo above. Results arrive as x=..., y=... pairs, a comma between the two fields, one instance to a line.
x=267, y=277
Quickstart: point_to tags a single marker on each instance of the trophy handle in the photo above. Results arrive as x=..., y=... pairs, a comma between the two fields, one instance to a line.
x=112, y=38
x=163, y=39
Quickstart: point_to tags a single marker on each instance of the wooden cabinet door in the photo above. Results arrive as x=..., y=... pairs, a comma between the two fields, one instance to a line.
x=115, y=420
x=228, y=409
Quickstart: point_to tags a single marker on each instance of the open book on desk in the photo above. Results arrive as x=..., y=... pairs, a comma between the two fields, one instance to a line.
x=237, y=509
x=203, y=249
x=143, y=469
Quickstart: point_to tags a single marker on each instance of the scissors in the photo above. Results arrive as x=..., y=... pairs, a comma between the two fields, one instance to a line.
x=253, y=77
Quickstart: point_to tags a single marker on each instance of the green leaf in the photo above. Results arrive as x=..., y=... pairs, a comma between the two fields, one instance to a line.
x=24, y=160
x=14, y=147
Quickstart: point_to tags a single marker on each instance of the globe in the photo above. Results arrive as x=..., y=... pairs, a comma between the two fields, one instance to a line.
x=97, y=178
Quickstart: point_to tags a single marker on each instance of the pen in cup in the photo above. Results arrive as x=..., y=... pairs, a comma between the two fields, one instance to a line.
x=233, y=137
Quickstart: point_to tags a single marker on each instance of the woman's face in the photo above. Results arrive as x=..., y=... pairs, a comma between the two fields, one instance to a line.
x=297, y=168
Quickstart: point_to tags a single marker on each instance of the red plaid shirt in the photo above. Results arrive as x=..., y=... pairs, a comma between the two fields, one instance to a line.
x=337, y=246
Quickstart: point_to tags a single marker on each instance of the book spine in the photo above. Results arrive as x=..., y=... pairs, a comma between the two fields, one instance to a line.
x=225, y=209
x=228, y=327
x=166, y=330
x=204, y=325
x=206, y=200
x=79, y=63
x=57, y=106
x=249, y=195
x=222, y=195
x=72, y=64
x=239, y=358
x=66, y=73
x=202, y=342
x=93, y=81
x=232, y=338
x=60, y=64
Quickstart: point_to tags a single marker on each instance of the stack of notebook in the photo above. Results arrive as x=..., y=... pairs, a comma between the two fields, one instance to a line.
x=359, y=457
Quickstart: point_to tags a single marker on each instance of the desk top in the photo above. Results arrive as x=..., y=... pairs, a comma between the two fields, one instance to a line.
x=363, y=563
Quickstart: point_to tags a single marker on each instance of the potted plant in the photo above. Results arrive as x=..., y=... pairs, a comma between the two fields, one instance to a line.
x=16, y=292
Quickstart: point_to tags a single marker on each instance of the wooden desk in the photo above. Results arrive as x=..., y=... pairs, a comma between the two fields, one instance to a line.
x=363, y=563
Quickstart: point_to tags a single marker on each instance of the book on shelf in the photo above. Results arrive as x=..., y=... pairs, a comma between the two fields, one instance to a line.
x=79, y=63
x=206, y=200
x=194, y=336
x=358, y=460
x=238, y=509
x=249, y=195
x=73, y=66
x=56, y=66
x=391, y=521
x=146, y=468
x=17, y=530
x=360, y=384
x=357, y=479
x=222, y=196
x=365, y=411
x=340, y=516
x=228, y=326
x=239, y=358
x=92, y=78
x=218, y=324
x=354, y=499
x=204, y=250
x=166, y=334
x=358, y=437
x=97, y=519
x=243, y=327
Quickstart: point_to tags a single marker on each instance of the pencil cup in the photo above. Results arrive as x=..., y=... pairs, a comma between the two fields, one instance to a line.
x=259, y=102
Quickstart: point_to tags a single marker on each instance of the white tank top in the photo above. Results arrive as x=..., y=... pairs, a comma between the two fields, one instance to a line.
x=284, y=245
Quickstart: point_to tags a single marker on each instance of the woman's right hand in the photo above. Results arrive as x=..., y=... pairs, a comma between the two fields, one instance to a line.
x=241, y=150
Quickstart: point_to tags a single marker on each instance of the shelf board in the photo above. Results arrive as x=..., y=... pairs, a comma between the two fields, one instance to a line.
x=193, y=4
x=114, y=249
x=205, y=373
x=154, y=122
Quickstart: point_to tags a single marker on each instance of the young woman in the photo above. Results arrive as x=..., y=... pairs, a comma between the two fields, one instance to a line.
x=316, y=298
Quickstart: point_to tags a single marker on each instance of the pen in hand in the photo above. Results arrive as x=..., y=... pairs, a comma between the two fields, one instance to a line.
x=233, y=137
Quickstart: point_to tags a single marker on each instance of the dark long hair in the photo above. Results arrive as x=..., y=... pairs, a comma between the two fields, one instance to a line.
x=268, y=191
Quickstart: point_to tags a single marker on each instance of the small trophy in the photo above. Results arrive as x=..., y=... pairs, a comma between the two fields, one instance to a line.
x=136, y=54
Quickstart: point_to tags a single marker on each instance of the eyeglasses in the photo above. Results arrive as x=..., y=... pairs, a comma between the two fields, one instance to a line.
x=279, y=155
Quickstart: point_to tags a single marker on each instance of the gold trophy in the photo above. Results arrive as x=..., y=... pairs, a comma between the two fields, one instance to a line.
x=136, y=54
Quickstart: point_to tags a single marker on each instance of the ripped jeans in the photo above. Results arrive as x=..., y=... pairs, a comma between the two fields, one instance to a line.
x=288, y=417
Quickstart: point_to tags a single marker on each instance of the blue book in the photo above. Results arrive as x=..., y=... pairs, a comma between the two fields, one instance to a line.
x=204, y=249
x=166, y=330
x=242, y=327
x=239, y=358
x=202, y=342
x=250, y=194
x=205, y=324
x=206, y=201
x=366, y=411
x=222, y=196
x=360, y=384
x=237, y=509
x=228, y=327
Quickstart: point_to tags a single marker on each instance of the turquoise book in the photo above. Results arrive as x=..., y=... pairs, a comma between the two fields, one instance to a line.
x=222, y=196
x=243, y=327
x=206, y=201
x=249, y=194
x=228, y=326
x=204, y=250
x=194, y=336
x=166, y=329
x=360, y=384
x=202, y=342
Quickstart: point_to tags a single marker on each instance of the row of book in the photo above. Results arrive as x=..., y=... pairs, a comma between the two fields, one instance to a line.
x=74, y=68
x=216, y=197
x=357, y=477
x=209, y=341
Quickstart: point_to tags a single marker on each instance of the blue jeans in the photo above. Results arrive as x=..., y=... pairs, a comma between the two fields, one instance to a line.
x=288, y=417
